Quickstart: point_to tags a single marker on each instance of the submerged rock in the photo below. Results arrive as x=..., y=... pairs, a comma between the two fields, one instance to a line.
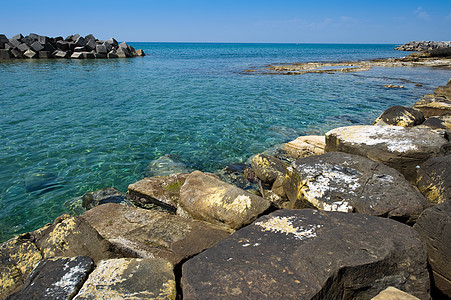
x=149, y=233
x=103, y=196
x=205, y=197
x=398, y=147
x=130, y=278
x=55, y=278
x=434, y=226
x=310, y=254
x=350, y=183
x=165, y=165
x=434, y=179
x=401, y=116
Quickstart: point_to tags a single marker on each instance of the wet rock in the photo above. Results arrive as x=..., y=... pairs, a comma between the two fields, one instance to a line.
x=103, y=196
x=149, y=233
x=310, y=254
x=205, y=197
x=434, y=226
x=55, y=278
x=401, y=116
x=305, y=146
x=5, y=54
x=18, y=257
x=45, y=54
x=165, y=165
x=268, y=168
x=70, y=237
x=88, y=55
x=130, y=278
x=350, y=183
x=434, y=179
x=398, y=147
x=162, y=191
x=240, y=175
x=392, y=293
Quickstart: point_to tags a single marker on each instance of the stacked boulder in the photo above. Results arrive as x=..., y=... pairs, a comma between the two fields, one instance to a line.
x=73, y=46
x=423, y=45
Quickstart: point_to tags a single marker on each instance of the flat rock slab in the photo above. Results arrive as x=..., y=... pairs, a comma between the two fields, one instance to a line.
x=434, y=179
x=205, y=197
x=434, y=226
x=436, y=104
x=344, y=182
x=310, y=254
x=305, y=146
x=130, y=278
x=56, y=278
x=149, y=233
x=397, y=147
x=18, y=257
x=161, y=191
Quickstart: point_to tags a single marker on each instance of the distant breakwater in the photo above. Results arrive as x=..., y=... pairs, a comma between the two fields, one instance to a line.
x=73, y=46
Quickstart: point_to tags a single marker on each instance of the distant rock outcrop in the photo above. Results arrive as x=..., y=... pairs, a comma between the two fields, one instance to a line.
x=73, y=46
x=424, y=46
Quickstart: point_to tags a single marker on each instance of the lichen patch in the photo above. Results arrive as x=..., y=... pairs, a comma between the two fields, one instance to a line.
x=285, y=225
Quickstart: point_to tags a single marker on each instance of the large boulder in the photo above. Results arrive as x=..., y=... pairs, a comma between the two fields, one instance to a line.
x=160, y=191
x=434, y=226
x=401, y=116
x=130, y=278
x=310, y=254
x=305, y=146
x=398, y=147
x=18, y=257
x=338, y=181
x=434, y=179
x=73, y=236
x=55, y=278
x=150, y=233
x=205, y=197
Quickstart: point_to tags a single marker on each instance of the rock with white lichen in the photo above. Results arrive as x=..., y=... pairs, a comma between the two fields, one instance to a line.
x=398, y=147
x=55, y=278
x=344, y=182
x=310, y=254
x=205, y=197
x=130, y=278
x=150, y=233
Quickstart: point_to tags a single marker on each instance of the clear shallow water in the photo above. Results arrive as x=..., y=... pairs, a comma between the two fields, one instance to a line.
x=69, y=127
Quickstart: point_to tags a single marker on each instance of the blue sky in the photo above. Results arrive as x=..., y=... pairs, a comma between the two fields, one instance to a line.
x=276, y=21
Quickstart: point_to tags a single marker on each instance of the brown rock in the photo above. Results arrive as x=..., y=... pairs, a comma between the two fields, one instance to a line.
x=149, y=233
x=268, y=168
x=434, y=179
x=205, y=197
x=401, y=116
x=392, y=293
x=305, y=146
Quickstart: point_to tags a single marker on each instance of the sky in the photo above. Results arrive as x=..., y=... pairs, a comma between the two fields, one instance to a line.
x=243, y=21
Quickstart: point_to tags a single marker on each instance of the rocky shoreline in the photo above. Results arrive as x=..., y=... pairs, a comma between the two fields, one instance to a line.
x=363, y=212
x=73, y=46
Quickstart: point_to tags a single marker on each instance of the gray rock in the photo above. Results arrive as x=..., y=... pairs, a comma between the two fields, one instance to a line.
x=36, y=47
x=150, y=233
x=45, y=54
x=74, y=37
x=23, y=47
x=108, y=47
x=77, y=55
x=434, y=179
x=55, y=278
x=350, y=183
x=30, y=54
x=398, y=147
x=16, y=53
x=434, y=226
x=49, y=47
x=310, y=254
x=112, y=42
x=60, y=54
x=130, y=278
x=88, y=55
x=30, y=39
x=80, y=41
x=3, y=40
x=90, y=37
x=91, y=44
x=5, y=54
x=205, y=197
x=79, y=49
x=14, y=43
x=18, y=37
x=401, y=116
x=62, y=45
x=100, y=55
x=165, y=165
x=101, y=49
x=43, y=39
x=112, y=54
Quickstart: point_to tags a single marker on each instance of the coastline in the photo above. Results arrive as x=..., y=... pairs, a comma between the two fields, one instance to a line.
x=230, y=205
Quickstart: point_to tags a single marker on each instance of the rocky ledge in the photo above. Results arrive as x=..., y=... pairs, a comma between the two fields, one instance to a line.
x=73, y=46
x=363, y=212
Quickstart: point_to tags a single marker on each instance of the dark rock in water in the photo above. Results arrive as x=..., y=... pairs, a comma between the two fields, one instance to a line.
x=165, y=165
x=401, y=148
x=343, y=182
x=434, y=179
x=5, y=54
x=45, y=54
x=55, y=278
x=205, y=197
x=16, y=53
x=18, y=257
x=310, y=254
x=73, y=236
x=159, y=191
x=401, y=116
x=88, y=55
x=41, y=182
x=103, y=196
x=240, y=175
x=434, y=226
x=149, y=233
x=130, y=278
x=112, y=54
x=140, y=52
x=284, y=133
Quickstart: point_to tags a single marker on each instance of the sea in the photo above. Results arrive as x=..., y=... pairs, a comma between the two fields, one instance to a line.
x=68, y=127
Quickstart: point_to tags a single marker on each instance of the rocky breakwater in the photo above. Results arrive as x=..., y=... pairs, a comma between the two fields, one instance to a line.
x=73, y=46
x=427, y=46
x=332, y=220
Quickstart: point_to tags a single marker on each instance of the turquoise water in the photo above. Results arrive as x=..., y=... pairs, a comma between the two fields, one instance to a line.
x=69, y=127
